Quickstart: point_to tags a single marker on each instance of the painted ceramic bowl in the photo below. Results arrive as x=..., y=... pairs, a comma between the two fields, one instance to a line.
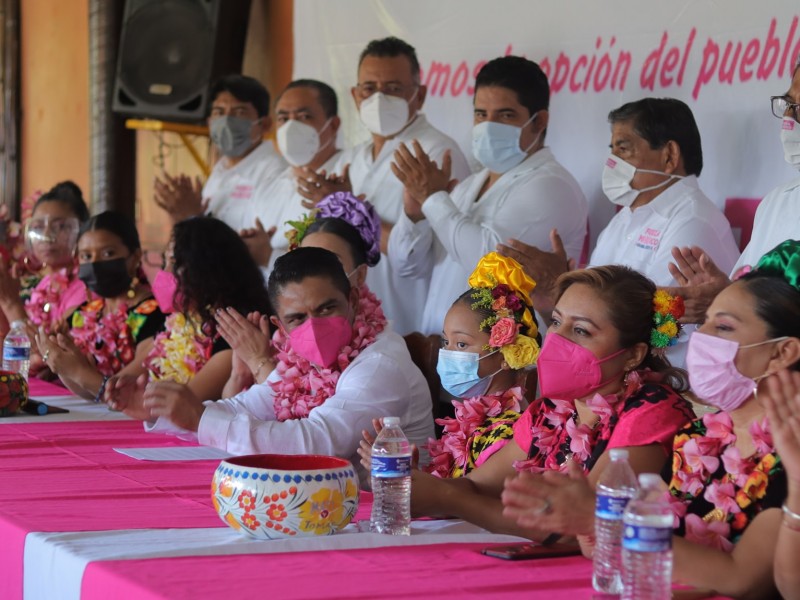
x=272, y=496
x=13, y=393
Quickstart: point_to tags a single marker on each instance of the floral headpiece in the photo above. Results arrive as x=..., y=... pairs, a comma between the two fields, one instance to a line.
x=667, y=310
x=500, y=285
x=345, y=206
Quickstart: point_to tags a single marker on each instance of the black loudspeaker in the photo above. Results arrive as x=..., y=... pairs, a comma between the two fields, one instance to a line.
x=171, y=51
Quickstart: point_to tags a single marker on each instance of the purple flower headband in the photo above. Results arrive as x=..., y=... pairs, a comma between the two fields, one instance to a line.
x=345, y=206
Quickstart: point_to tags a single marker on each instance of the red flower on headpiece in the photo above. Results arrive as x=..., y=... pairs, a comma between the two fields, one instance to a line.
x=500, y=289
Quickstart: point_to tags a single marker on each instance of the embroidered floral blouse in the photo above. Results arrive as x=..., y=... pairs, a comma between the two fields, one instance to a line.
x=548, y=431
x=715, y=492
x=112, y=338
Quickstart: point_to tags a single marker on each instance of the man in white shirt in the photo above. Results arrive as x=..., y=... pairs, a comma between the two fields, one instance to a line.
x=656, y=156
x=389, y=98
x=662, y=205
x=777, y=220
x=307, y=117
x=522, y=192
x=313, y=298
x=238, y=121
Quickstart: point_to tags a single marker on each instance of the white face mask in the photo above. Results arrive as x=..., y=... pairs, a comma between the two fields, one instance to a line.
x=617, y=177
x=385, y=115
x=790, y=137
x=299, y=142
x=496, y=145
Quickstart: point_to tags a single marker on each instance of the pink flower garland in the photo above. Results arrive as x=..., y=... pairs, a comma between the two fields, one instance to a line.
x=698, y=457
x=551, y=433
x=303, y=386
x=450, y=454
x=46, y=296
x=106, y=337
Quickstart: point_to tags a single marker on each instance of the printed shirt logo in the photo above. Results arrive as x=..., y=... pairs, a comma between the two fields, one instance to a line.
x=649, y=239
x=242, y=192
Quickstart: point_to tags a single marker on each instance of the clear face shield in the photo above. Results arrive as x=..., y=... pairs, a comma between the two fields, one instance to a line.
x=51, y=241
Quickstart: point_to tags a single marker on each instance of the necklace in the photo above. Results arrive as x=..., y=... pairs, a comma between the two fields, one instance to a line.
x=303, y=386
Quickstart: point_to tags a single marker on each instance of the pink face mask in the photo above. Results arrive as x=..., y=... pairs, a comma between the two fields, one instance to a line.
x=165, y=286
x=320, y=339
x=713, y=374
x=568, y=371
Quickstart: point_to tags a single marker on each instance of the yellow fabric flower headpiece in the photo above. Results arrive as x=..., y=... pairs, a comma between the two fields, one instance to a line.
x=502, y=287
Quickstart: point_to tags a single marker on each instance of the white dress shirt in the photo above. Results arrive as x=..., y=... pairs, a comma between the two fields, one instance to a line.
x=401, y=298
x=282, y=203
x=524, y=203
x=777, y=220
x=681, y=215
x=236, y=193
x=643, y=239
x=381, y=381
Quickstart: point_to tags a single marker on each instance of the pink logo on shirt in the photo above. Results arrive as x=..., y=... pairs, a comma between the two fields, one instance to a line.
x=242, y=192
x=649, y=240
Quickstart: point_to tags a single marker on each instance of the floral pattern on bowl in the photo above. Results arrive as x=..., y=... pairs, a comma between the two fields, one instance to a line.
x=274, y=496
x=13, y=393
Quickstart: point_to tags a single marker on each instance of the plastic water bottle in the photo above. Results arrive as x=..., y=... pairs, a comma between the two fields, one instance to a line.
x=391, y=480
x=17, y=350
x=647, y=543
x=617, y=485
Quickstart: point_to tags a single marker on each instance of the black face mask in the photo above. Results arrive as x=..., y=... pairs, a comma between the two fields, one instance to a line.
x=106, y=278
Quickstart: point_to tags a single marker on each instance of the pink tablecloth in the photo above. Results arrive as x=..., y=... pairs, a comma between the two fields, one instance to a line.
x=439, y=571
x=38, y=388
x=67, y=477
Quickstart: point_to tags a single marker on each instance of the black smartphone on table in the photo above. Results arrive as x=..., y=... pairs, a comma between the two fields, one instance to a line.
x=530, y=550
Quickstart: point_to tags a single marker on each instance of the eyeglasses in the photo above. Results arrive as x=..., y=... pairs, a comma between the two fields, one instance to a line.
x=365, y=90
x=781, y=105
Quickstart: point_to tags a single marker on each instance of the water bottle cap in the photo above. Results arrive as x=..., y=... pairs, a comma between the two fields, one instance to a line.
x=618, y=454
x=649, y=480
x=17, y=323
x=391, y=421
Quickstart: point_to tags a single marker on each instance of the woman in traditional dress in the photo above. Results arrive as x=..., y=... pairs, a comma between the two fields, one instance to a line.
x=118, y=321
x=726, y=480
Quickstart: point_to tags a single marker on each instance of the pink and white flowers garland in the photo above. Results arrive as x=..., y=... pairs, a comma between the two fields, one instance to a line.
x=303, y=386
x=46, y=296
x=450, y=454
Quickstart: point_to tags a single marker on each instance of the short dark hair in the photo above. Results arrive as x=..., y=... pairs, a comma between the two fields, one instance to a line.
x=297, y=265
x=348, y=233
x=659, y=120
x=244, y=89
x=116, y=223
x=389, y=48
x=68, y=193
x=524, y=77
x=325, y=93
x=214, y=269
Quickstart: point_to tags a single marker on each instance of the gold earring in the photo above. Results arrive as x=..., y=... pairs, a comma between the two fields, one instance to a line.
x=132, y=290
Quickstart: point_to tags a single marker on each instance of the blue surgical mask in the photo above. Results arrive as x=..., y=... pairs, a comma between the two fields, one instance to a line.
x=496, y=145
x=459, y=373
